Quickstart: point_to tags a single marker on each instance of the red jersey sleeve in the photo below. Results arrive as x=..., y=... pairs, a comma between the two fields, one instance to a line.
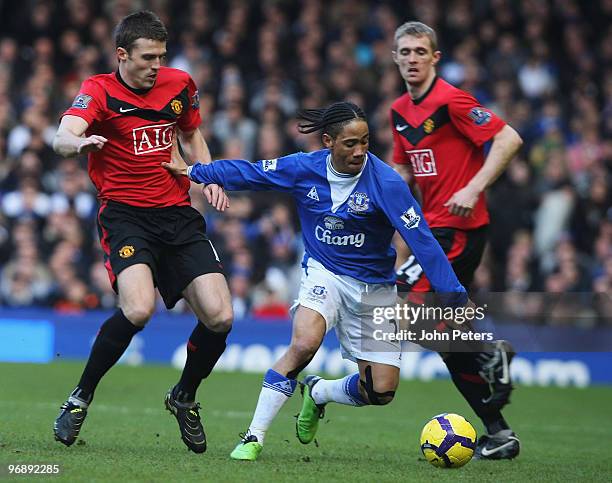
x=190, y=119
x=399, y=154
x=474, y=121
x=90, y=102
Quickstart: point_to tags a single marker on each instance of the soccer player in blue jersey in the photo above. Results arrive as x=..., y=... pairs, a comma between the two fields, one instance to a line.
x=349, y=203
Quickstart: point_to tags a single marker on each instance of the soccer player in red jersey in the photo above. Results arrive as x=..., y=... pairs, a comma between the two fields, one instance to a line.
x=438, y=137
x=150, y=234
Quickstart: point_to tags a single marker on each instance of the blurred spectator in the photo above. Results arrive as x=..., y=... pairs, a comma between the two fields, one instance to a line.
x=544, y=65
x=232, y=124
x=27, y=201
x=24, y=285
x=73, y=191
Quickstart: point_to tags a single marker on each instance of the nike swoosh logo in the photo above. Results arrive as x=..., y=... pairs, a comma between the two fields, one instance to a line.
x=487, y=452
x=122, y=109
x=401, y=128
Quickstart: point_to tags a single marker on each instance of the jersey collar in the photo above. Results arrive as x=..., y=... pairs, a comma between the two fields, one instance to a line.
x=139, y=92
x=330, y=166
x=420, y=99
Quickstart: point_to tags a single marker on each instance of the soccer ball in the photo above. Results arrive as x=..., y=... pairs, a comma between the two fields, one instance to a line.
x=448, y=441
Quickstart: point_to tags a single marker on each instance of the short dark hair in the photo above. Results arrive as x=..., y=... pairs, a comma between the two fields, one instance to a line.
x=331, y=119
x=139, y=25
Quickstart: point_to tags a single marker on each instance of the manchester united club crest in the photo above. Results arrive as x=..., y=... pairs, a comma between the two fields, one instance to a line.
x=126, y=251
x=176, y=106
x=428, y=126
x=358, y=202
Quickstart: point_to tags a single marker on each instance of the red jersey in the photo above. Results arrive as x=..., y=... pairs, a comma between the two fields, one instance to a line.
x=139, y=127
x=441, y=135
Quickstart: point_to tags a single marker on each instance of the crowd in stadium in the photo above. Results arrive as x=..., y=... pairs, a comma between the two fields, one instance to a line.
x=545, y=66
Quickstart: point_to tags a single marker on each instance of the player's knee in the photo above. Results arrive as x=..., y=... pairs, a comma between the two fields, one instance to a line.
x=221, y=320
x=379, y=398
x=139, y=315
x=383, y=396
x=304, y=349
x=379, y=391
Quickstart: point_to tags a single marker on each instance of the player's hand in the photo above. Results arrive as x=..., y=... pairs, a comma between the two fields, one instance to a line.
x=463, y=201
x=91, y=143
x=177, y=164
x=215, y=195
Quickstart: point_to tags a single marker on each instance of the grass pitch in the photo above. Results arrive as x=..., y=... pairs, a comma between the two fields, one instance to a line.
x=128, y=436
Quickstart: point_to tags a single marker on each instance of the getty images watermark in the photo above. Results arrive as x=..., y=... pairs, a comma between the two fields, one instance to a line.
x=423, y=323
x=532, y=321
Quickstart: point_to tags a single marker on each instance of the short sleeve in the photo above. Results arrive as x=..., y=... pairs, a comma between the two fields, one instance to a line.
x=90, y=102
x=474, y=121
x=190, y=118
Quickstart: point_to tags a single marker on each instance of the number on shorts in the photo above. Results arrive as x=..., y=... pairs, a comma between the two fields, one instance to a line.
x=410, y=270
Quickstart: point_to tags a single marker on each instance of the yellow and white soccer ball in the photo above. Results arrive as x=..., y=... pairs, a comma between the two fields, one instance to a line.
x=448, y=441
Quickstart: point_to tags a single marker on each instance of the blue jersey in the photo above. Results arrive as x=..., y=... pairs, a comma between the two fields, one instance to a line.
x=347, y=220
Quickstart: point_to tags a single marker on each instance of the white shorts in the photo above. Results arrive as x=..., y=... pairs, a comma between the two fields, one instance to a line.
x=340, y=300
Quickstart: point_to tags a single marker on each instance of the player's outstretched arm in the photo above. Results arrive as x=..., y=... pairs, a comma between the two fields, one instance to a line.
x=195, y=146
x=406, y=216
x=506, y=144
x=70, y=141
x=241, y=175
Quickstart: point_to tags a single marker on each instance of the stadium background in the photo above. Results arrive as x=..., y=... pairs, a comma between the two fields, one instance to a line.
x=544, y=66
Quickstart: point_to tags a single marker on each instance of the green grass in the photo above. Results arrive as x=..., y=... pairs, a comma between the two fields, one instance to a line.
x=128, y=436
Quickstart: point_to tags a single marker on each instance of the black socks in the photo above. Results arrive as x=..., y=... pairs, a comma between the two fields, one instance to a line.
x=203, y=351
x=463, y=368
x=111, y=342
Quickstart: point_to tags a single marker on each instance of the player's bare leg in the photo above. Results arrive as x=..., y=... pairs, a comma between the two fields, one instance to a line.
x=209, y=297
x=137, y=304
x=280, y=381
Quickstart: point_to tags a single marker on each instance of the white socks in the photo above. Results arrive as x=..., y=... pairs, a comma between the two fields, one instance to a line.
x=276, y=390
x=342, y=391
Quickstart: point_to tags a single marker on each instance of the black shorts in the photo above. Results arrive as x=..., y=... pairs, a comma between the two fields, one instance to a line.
x=463, y=248
x=172, y=241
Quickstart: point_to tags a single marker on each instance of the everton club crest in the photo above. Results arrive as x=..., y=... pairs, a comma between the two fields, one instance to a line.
x=358, y=202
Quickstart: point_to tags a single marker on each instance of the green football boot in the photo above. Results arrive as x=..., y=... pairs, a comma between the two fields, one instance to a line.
x=248, y=449
x=307, y=422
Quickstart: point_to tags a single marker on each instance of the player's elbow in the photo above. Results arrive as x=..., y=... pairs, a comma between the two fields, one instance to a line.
x=516, y=140
x=56, y=144
x=59, y=143
x=510, y=138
